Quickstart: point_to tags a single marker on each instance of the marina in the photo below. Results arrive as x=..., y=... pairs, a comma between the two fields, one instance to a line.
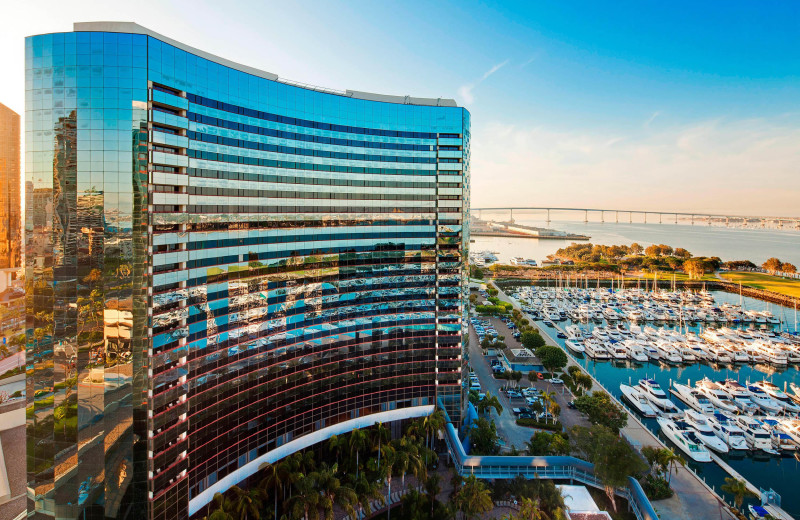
x=768, y=465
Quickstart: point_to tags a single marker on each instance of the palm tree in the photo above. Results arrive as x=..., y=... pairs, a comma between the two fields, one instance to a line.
x=247, y=504
x=432, y=424
x=365, y=492
x=357, y=442
x=530, y=510
x=380, y=434
x=335, y=445
x=334, y=492
x=490, y=401
x=473, y=498
x=432, y=489
x=548, y=398
x=389, y=461
x=271, y=483
x=305, y=498
x=739, y=490
x=225, y=508
x=669, y=460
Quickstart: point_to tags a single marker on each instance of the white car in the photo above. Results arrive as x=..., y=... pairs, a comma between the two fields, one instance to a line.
x=556, y=381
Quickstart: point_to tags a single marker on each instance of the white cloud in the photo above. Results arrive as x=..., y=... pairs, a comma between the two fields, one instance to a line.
x=739, y=167
x=465, y=91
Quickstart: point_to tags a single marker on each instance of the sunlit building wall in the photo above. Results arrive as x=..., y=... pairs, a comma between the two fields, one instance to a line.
x=224, y=267
x=10, y=202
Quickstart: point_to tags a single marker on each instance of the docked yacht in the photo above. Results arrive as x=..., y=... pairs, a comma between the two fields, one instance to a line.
x=573, y=332
x=694, y=398
x=595, y=349
x=575, y=345
x=617, y=350
x=668, y=352
x=653, y=392
x=635, y=351
x=763, y=400
x=791, y=427
x=727, y=430
x=704, y=431
x=778, y=395
x=757, y=437
x=719, y=354
x=717, y=395
x=638, y=400
x=740, y=396
x=685, y=439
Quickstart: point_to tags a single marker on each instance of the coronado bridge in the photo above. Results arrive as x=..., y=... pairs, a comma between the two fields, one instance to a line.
x=647, y=217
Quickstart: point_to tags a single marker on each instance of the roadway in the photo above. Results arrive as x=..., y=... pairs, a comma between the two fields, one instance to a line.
x=11, y=362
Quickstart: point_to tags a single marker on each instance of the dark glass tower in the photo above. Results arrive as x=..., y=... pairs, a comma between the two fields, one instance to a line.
x=224, y=268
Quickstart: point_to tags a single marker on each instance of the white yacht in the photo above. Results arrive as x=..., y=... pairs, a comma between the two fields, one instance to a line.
x=780, y=440
x=763, y=400
x=653, y=392
x=757, y=437
x=740, y=396
x=716, y=395
x=575, y=345
x=791, y=427
x=694, y=398
x=600, y=333
x=635, y=351
x=651, y=352
x=617, y=350
x=595, y=350
x=726, y=429
x=638, y=400
x=573, y=332
x=704, y=431
x=686, y=440
x=778, y=395
x=668, y=352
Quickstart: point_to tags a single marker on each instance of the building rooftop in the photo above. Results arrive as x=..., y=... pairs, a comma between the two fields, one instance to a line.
x=134, y=28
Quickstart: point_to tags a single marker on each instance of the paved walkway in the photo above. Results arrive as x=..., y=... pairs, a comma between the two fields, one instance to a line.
x=693, y=499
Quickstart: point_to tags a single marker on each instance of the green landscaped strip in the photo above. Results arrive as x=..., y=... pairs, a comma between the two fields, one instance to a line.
x=766, y=282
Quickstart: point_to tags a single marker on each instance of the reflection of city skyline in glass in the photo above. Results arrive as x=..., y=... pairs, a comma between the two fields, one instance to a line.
x=223, y=268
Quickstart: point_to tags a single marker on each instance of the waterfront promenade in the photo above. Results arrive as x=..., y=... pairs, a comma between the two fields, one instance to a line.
x=693, y=498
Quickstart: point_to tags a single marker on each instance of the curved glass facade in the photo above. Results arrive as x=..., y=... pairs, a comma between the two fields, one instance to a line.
x=224, y=268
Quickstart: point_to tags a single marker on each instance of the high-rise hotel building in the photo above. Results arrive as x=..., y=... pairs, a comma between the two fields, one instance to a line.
x=224, y=267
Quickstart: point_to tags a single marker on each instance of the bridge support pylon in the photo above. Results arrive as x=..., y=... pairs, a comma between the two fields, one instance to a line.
x=585, y=216
x=548, y=215
x=659, y=218
x=616, y=216
x=511, y=219
x=602, y=217
x=676, y=218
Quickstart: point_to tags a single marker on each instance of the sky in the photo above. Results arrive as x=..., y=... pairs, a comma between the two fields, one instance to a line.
x=685, y=106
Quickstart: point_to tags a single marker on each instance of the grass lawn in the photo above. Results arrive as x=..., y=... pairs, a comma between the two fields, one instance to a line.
x=679, y=277
x=767, y=282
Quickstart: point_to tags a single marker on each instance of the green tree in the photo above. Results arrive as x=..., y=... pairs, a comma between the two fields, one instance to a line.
x=483, y=436
x=786, y=267
x=546, y=443
x=334, y=492
x=489, y=401
x=600, y=409
x=613, y=458
x=247, y=504
x=772, y=265
x=432, y=489
x=474, y=498
x=306, y=497
x=271, y=483
x=225, y=509
x=357, y=441
x=737, y=488
x=682, y=253
x=532, y=340
x=636, y=249
x=552, y=358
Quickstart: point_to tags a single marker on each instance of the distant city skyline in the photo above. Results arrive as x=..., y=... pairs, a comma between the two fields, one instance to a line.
x=674, y=107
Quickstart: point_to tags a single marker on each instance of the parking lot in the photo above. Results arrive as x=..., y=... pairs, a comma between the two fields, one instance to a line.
x=507, y=428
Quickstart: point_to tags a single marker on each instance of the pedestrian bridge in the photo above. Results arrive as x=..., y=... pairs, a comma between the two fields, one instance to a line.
x=550, y=468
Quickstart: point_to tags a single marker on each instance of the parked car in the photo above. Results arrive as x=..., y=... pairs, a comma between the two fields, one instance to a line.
x=556, y=381
x=571, y=404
